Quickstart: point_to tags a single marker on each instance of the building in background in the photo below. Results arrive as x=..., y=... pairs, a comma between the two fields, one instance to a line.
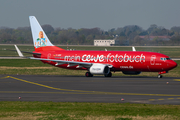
x=106, y=42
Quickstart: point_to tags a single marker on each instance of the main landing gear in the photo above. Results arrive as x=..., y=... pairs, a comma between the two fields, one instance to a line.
x=108, y=75
x=88, y=74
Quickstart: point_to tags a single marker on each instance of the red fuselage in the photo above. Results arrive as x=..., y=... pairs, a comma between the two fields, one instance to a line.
x=120, y=60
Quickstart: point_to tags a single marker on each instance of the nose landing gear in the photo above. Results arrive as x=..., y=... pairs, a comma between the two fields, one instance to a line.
x=159, y=76
x=162, y=72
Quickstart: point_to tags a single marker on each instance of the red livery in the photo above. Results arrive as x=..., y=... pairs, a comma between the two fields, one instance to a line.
x=96, y=62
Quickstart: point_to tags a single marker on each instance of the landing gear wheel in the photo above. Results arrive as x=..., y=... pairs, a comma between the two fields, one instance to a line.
x=88, y=74
x=159, y=76
x=108, y=75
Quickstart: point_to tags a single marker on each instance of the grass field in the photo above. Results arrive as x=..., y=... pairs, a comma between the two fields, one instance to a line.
x=87, y=111
x=172, y=51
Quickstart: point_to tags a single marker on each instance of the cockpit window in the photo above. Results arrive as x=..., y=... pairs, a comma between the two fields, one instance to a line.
x=168, y=58
x=165, y=58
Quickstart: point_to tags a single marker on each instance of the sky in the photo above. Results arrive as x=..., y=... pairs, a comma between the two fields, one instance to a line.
x=104, y=14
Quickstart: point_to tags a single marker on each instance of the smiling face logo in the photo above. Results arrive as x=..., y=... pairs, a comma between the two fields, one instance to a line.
x=41, y=41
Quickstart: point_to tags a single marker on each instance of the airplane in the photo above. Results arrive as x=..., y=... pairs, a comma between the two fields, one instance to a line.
x=96, y=62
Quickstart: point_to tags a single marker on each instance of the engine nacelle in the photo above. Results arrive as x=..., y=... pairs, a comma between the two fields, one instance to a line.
x=131, y=72
x=99, y=69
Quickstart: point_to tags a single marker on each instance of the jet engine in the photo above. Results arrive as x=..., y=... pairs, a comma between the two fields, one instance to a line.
x=99, y=69
x=131, y=72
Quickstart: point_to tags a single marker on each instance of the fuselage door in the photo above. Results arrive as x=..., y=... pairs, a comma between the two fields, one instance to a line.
x=49, y=57
x=153, y=59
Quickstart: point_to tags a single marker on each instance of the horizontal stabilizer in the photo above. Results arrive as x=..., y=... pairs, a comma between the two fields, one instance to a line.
x=24, y=51
x=20, y=52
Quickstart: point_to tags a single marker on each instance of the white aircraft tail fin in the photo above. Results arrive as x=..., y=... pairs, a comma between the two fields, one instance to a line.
x=40, y=40
x=39, y=37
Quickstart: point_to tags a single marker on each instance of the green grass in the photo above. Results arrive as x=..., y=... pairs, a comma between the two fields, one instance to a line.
x=91, y=111
x=171, y=51
x=22, y=63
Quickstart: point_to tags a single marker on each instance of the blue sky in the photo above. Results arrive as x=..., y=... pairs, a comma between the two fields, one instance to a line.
x=105, y=14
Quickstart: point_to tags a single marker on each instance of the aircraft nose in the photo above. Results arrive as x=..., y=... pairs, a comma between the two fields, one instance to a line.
x=172, y=64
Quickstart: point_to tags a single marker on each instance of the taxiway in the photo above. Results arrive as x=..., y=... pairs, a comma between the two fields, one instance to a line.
x=150, y=90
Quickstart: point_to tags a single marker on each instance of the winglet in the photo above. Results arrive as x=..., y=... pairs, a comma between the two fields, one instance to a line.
x=19, y=52
x=133, y=48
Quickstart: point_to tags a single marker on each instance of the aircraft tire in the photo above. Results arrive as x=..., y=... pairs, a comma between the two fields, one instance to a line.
x=108, y=75
x=88, y=74
x=159, y=76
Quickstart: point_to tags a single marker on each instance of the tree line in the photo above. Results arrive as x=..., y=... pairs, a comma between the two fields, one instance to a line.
x=85, y=36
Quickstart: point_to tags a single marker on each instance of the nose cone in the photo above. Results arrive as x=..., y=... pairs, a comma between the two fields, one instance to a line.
x=172, y=64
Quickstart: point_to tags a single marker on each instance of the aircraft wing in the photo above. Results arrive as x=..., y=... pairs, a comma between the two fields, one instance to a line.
x=70, y=63
x=61, y=62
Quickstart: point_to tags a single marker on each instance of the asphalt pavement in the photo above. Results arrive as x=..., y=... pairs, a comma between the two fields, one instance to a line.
x=117, y=89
